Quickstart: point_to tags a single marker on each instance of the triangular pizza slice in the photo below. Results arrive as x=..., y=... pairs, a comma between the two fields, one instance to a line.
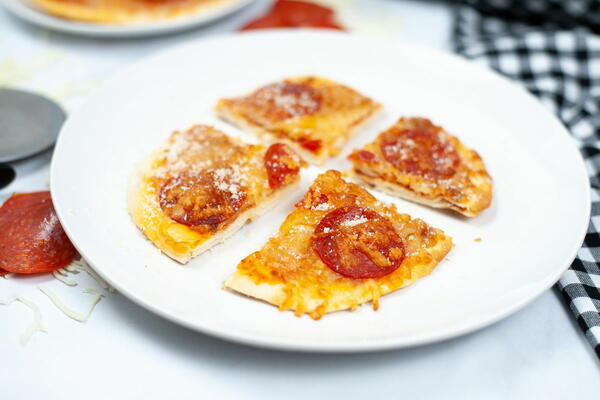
x=202, y=186
x=315, y=116
x=419, y=161
x=338, y=249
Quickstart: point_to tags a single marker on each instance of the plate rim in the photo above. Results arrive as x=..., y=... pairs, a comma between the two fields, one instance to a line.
x=29, y=14
x=348, y=346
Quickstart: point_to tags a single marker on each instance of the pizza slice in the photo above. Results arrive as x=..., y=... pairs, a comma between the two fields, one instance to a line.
x=315, y=116
x=202, y=186
x=122, y=11
x=419, y=161
x=338, y=249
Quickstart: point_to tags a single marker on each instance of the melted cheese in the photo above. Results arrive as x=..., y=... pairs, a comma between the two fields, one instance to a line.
x=237, y=168
x=331, y=122
x=288, y=261
x=468, y=190
x=173, y=238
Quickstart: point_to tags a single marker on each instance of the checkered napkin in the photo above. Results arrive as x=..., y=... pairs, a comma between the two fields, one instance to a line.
x=552, y=47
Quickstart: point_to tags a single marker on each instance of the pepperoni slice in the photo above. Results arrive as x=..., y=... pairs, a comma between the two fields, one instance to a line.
x=312, y=145
x=281, y=163
x=420, y=152
x=362, y=155
x=358, y=243
x=302, y=13
x=31, y=237
x=293, y=13
x=326, y=25
x=266, y=22
x=3, y=272
x=203, y=201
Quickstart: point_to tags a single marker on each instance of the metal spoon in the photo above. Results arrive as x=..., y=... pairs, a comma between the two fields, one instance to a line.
x=29, y=123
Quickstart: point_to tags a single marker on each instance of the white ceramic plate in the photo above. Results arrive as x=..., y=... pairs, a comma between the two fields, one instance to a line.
x=23, y=10
x=529, y=235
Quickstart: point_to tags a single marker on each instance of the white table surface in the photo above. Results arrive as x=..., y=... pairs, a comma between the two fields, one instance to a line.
x=124, y=351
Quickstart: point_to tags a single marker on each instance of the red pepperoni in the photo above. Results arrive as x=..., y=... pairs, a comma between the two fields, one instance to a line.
x=321, y=199
x=302, y=13
x=203, y=201
x=281, y=163
x=31, y=237
x=362, y=155
x=312, y=145
x=3, y=272
x=358, y=243
x=267, y=22
x=293, y=13
x=420, y=152
x=326, y=25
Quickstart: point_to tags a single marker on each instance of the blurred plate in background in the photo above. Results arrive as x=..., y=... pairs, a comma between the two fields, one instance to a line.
x=207, y=14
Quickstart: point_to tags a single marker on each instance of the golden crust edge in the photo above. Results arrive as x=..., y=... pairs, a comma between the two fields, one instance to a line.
x=471, y=208
x=482, y=179
x=275, y=293
x=396, y=190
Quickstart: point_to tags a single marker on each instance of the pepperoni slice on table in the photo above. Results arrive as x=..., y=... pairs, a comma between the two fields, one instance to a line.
x=203, y=201
x=281, y=163
x=420, y=152
x=326, y=25
x=358, y=243
x=31, y=237
x=293, y=13
x=267, y=22
x=298, y=13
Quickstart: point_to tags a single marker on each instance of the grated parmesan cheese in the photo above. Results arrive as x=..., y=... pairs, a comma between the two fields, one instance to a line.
x=323, y=207
x=301, y=101
x=354, y=222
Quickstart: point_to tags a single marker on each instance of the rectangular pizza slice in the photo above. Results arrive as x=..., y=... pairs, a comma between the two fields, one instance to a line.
x=202, y=186
x=338, y=249
x=419, y=161
x=315, y=116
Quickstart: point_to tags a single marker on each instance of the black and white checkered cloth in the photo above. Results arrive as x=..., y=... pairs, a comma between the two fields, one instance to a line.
x=552, y=47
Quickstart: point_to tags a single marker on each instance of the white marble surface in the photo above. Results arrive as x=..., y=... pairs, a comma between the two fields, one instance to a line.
x=124, y=351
